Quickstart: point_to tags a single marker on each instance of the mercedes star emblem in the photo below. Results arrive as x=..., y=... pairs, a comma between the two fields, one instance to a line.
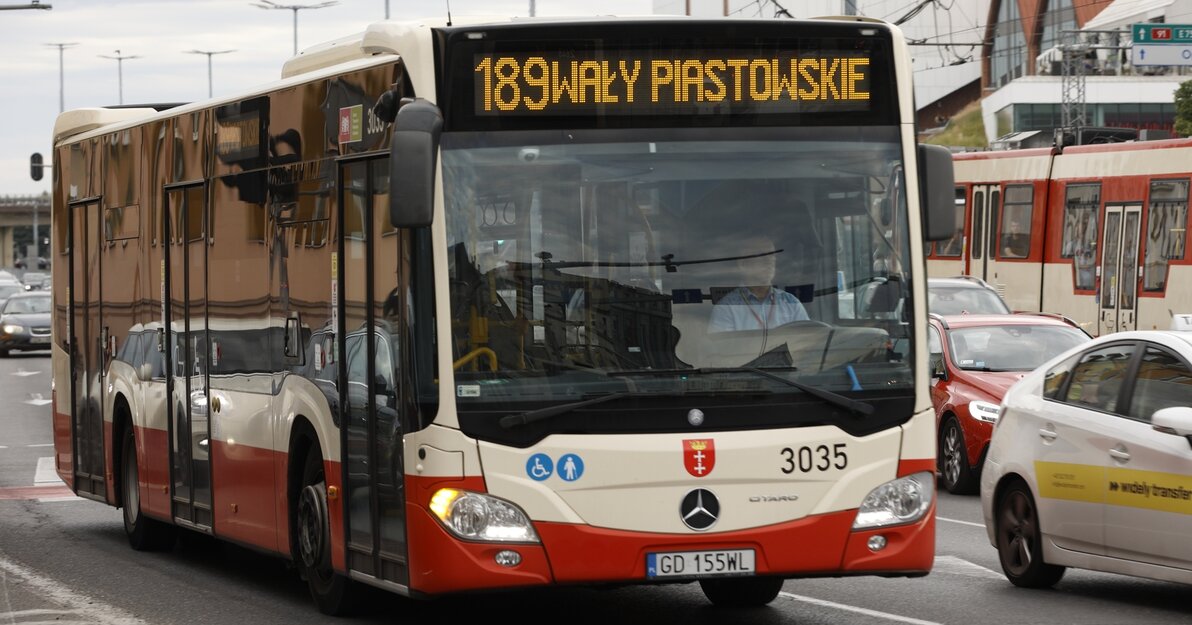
x=699, y=509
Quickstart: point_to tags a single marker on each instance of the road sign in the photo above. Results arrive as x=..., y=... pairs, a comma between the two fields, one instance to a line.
x=1162, y=33
x=1161, y=54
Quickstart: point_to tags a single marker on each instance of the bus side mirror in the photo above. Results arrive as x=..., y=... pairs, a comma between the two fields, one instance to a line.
x=937, y=185
x=413, y=155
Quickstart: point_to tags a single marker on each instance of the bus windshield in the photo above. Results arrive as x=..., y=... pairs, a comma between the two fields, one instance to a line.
x=673, y=263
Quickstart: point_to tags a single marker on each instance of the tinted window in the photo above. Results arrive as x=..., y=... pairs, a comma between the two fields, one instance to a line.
x=1057, y=376
x=1011, y=347
x=1163, y=381
x=1097, y=380
x=964, y=300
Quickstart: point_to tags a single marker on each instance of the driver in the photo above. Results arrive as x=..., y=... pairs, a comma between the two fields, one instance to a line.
x=756, y=304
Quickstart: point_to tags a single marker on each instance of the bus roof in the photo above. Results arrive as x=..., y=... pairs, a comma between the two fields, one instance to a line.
x=379, y=42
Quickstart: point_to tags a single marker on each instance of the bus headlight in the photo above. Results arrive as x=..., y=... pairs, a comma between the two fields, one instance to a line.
x=904, y=500
x=984, y=411
x=476, y=516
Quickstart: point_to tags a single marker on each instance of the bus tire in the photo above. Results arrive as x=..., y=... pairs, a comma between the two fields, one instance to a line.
x=144, y=533
x=330, y=590
x=741, y=592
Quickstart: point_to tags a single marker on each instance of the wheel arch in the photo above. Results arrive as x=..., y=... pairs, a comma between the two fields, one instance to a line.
x=303, y=441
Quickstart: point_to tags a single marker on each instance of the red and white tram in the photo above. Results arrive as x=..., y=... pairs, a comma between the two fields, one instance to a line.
x=1097, y=233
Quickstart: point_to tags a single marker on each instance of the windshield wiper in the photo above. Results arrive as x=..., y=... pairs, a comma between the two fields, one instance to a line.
x=859, y=407
x=548, y=412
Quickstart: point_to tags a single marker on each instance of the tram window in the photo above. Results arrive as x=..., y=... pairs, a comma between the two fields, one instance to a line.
x=1016, y=222
x=995, y=203
x=1166, y=229
x=978, y=223
x=1081, y=204
x=955, y=245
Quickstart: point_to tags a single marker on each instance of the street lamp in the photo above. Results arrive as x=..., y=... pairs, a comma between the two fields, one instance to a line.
x=209, y=53
x=36, y=4
x=269, y=4
x=120, y=69
x=61, y=83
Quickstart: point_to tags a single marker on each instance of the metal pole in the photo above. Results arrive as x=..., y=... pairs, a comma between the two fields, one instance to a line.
x=294, y=8
x=61, y=82
x=209, y=53
x=61, y=74
x=386, y=9
x=36, y=237
x=120, y=69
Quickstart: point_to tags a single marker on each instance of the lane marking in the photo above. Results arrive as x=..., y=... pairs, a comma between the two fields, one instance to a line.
x=38, y=401
x=857, y=610
x=46, y=474
x=87, y=609
x=41, y=445
x=959, y=522
x=22, y=373
x=952, y=565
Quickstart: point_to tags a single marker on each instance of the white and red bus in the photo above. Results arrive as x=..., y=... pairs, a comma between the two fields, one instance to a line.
x=432, y=312
x=1097, y=233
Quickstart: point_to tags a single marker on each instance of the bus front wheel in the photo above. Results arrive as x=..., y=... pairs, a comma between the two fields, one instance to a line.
x=329, y=589
x=741, y=592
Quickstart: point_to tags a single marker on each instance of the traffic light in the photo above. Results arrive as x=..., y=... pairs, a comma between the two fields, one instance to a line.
x=35, y=166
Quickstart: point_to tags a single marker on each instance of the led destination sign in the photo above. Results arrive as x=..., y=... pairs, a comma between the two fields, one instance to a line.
x=656, y=83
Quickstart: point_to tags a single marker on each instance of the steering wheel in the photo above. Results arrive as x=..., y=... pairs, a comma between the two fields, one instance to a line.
x=804, y=323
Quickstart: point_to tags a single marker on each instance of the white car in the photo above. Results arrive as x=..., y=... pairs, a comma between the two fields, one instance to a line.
x=1090, y=464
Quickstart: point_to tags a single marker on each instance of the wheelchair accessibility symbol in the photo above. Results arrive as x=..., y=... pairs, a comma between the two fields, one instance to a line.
x=539, y=467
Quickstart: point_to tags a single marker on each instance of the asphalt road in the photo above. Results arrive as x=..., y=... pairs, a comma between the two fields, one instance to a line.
x=65, y=560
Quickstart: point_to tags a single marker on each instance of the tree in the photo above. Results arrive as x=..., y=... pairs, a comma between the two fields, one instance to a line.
x=1183, y=109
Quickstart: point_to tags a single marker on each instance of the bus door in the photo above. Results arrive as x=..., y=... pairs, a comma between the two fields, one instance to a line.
x=370, y=375
x=1118, y=289
x=87, y=343
x=983, y=241
x=186, y=353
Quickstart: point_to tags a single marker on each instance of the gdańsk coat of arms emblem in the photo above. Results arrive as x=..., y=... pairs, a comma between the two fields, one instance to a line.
x=699, y=456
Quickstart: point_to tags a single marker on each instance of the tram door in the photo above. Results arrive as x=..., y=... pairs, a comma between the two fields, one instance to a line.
x=1118, y=290
x=88, y=341
x=186, y=353
x=987, y=199
x=371, y=373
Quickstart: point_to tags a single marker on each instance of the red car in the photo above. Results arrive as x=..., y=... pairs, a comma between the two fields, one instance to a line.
x=974, y=360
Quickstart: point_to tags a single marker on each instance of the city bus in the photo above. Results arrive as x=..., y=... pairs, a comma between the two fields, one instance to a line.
x=460, y=306
x=1097, y=233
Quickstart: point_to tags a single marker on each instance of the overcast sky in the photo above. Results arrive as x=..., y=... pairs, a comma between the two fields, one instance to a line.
x=160, y=32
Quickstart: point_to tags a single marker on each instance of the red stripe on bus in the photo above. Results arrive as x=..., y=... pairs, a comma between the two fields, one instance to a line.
x=153, y=470
x=810, y=545
x=244, y=492
x=109, y=474
x=909, y=548
x=64, y=462
x=907, y=466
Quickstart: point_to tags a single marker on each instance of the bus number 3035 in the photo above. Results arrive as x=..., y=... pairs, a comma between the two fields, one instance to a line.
x=819, y=458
